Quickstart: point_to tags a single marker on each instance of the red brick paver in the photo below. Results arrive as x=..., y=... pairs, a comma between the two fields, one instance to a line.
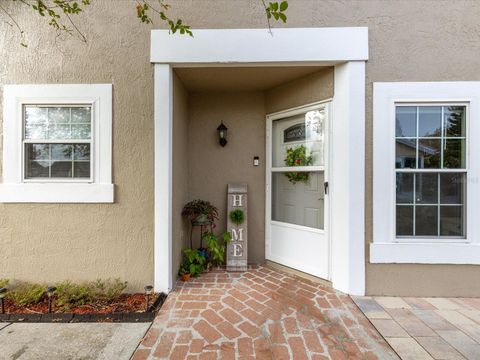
x=260, y=314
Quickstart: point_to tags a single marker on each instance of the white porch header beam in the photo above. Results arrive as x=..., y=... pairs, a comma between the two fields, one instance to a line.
x=257, y=46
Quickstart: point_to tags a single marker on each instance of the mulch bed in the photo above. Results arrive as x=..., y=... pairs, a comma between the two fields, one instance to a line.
x=128, y=308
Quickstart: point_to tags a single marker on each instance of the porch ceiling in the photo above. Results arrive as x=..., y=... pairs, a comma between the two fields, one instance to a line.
x=240, y=78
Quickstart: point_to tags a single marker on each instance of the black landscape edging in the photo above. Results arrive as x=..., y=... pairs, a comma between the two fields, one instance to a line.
x=126, y=317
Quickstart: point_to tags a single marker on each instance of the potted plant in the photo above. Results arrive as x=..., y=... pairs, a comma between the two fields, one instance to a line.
x=200, y=212
x=216, y=249
x=184, y=273
x=193, y=264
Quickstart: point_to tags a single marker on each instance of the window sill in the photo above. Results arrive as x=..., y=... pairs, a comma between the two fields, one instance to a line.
x=425, y=253
x=56, y=193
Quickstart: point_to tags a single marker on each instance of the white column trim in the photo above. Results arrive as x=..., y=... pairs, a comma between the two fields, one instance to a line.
x=347, y=173
x=163, y=98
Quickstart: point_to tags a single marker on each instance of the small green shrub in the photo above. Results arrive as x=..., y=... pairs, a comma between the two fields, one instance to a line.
x=216, y=249
x=4, y=282
x=237, y=216
x=108, y=290
x=193, y=262
x=69, y=294
x=27, y=293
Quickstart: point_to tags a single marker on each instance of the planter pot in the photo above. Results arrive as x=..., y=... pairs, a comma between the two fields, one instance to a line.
x=204, y=253
x=185, y=277
x=201, y=219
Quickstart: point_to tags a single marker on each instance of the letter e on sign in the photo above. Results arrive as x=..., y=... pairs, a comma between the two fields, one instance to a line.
x=237, y=250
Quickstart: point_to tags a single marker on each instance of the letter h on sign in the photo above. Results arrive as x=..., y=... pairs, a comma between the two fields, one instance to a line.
x=237, y=200
x=237, y=249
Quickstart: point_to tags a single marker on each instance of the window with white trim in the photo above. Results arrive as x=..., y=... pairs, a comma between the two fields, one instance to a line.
x=430, y=162
x=57, y=143
x=426, y=172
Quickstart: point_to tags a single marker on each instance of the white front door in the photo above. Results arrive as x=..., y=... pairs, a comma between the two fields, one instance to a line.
x=297, y=189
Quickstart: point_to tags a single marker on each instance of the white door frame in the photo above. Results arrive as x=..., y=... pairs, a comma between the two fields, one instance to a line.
x=268, y=169
x=344, y=48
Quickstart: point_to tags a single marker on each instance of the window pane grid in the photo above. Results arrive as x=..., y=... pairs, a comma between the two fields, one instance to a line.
x=431, y=171
x=57, y=142
x=431, y=137
x=441, y=205
x=57, y=161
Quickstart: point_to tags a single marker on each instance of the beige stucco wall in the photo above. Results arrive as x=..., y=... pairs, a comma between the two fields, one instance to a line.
x=409, y=41
x=212, y=167
x=180, y=171
x=305, y=90
x=49, y=242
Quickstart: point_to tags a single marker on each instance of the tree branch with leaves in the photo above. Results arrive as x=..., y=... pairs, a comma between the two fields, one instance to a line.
x=59, y=14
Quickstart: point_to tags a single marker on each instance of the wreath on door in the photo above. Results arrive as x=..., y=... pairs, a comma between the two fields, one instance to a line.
x=298, y=156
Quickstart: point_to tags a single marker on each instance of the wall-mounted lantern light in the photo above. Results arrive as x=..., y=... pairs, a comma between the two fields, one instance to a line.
x=222, y=134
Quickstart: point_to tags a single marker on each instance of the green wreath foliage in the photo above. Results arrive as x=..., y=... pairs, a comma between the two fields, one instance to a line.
x=298, y=156
x=237, y=216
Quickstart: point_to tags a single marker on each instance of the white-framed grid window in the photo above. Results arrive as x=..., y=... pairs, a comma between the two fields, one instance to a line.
x=57, y=143
x=430, y=163
x=426, y=187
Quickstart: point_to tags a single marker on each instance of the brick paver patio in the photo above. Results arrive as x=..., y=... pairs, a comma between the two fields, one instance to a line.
x=427, y=328
x=260, y=314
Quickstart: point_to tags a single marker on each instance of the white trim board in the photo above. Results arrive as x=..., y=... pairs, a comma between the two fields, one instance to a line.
x=100, y=189
x=347, y=178
x=163, y=95
x=298, y=45
x=386, y=248
x=347, y=50
x=424, y=253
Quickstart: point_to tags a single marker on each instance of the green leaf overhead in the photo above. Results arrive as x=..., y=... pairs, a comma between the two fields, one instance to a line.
x=59, y=15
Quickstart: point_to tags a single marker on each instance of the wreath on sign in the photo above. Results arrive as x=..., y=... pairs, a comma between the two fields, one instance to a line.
x=298, y=157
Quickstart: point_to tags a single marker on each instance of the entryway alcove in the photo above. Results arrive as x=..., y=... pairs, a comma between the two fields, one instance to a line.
x=265, y=88
x=287, y=218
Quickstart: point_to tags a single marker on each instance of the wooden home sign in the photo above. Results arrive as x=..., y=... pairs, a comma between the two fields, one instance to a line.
x=237, y=218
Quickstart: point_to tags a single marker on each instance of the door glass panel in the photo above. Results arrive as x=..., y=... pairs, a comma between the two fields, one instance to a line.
x=298, y=202
x=299, y=140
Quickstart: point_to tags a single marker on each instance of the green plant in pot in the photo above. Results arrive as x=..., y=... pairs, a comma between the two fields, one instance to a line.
x=216, y=248
x=200, y=212
x=193, y=264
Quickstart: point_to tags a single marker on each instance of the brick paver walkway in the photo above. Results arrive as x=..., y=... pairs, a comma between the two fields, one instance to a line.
x=260, y=314
x=427, y=328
